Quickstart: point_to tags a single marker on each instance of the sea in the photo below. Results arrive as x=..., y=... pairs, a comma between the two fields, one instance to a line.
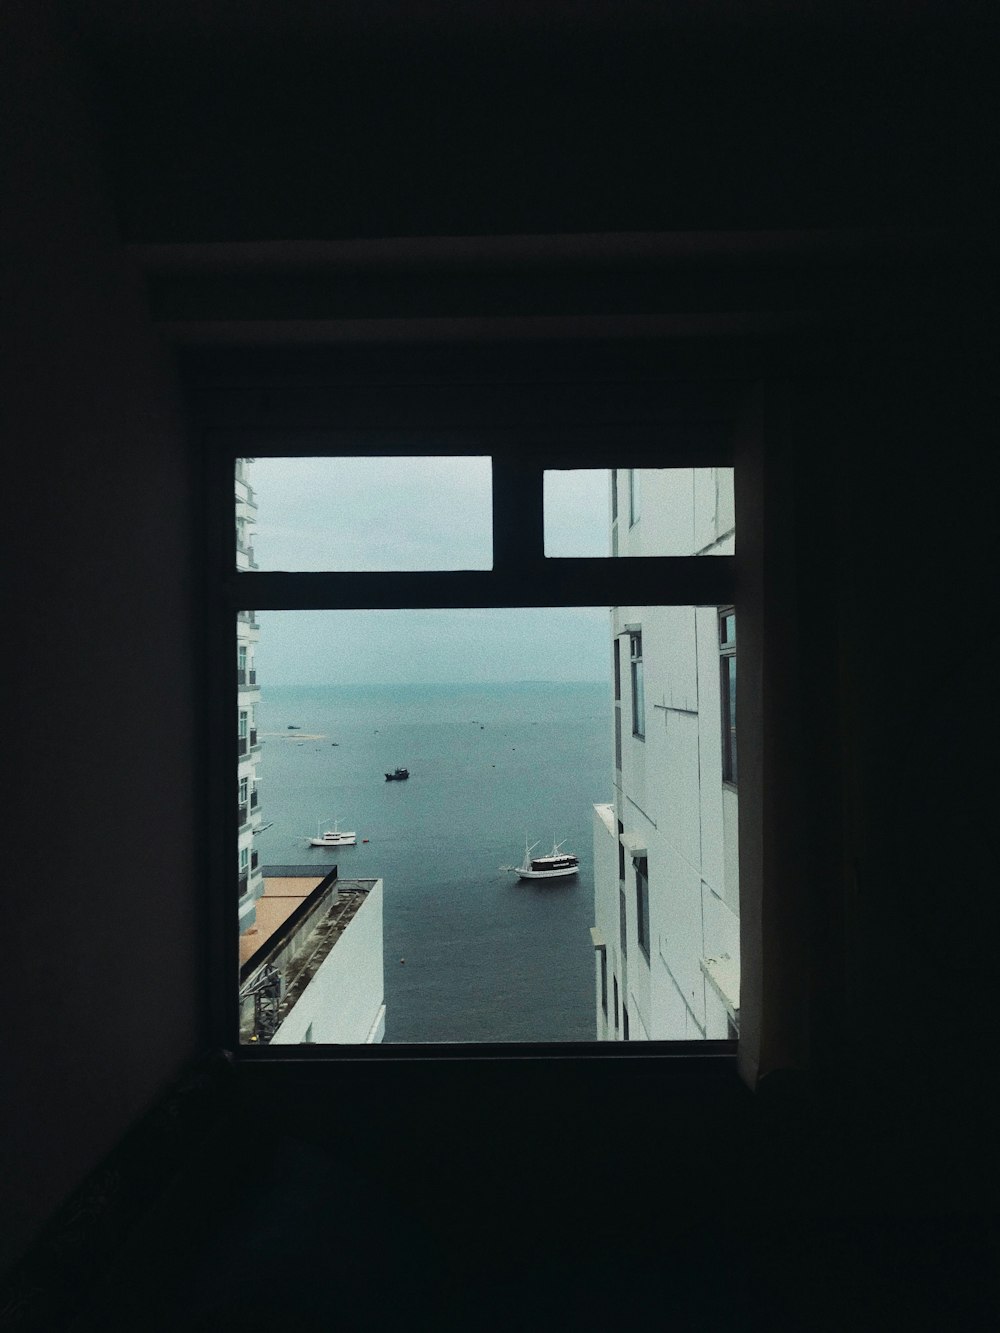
x=471, y=953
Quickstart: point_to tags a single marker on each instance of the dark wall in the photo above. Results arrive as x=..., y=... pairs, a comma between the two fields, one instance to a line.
x=887, y=456
x=104, y=949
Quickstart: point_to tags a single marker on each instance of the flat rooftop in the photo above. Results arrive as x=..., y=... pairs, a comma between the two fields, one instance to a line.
x=300, y=917
x=285, y=889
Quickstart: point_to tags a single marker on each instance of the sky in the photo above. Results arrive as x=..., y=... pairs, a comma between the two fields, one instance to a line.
x=420, y=514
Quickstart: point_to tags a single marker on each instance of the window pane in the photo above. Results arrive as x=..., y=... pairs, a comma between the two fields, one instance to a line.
x=364, y=514
x=507, y=738
x=576, y=512
x=502, y=721
x=684, y=511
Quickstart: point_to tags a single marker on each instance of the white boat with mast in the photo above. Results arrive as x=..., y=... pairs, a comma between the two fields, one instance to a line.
x=332, y=837
x=557, y=864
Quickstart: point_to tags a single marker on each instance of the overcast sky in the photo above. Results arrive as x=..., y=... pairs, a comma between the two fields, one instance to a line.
x=420, y=514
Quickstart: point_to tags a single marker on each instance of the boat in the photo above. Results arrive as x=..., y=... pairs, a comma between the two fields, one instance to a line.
x=556, y=865
x=398, y=775
x=332, y=837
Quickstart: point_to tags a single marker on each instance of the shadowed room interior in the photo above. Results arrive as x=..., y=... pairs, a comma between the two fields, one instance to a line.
x=562, y=220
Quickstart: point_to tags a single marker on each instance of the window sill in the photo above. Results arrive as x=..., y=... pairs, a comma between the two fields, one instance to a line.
x=710, y=1056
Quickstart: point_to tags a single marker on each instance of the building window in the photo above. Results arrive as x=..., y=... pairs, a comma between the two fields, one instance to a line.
x=727, y=662
x=633, y=496
x=244, y=790
x=642, y=903
x=618, y=704
x=244, y=860
x=638, y=695
x=518, y=569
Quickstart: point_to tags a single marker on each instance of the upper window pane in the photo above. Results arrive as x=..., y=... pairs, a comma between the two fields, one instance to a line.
x=364, y=514
x=684, y=511
x=576, y=512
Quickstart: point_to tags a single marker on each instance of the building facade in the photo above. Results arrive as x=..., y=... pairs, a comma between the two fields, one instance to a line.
x=248, y=699
x=311, y=969
x=666, y=866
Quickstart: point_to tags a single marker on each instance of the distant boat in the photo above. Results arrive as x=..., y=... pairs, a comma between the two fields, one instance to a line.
x=332, y=837
x=556, y=865
x=398, y=775
x=293, y=727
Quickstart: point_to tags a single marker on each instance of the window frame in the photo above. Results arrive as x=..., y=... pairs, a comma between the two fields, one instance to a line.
x=637, y=678
x=642, y=903
x=727, y=656
x=521, y=576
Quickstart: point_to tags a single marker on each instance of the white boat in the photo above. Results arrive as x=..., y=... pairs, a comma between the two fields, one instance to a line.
x=556, y=865
x=332, y=837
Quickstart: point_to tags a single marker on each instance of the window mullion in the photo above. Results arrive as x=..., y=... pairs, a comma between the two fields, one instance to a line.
x=645, y=580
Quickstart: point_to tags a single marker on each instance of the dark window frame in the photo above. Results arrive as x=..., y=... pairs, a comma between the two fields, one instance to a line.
x=521, y=576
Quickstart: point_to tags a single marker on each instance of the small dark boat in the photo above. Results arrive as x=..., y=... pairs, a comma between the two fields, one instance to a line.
x=398, y=776
x=293, y=727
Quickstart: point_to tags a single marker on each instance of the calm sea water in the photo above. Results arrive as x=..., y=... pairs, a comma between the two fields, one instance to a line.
x=487, y=956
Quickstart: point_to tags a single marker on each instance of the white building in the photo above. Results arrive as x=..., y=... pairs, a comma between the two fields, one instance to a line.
x=311, y=968
x=666, y=882
x=248, y=698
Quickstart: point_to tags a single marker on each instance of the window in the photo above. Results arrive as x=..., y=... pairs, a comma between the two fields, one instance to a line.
x=633, y=496
x=244, y=790
x=618, y=704
x=642, y=903
x=638, y=697
x=727, y=663
x=518, y=571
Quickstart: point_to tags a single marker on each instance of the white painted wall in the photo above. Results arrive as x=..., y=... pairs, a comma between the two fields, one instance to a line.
x=606, y=917
x=671, y=798
x=345, y=1001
